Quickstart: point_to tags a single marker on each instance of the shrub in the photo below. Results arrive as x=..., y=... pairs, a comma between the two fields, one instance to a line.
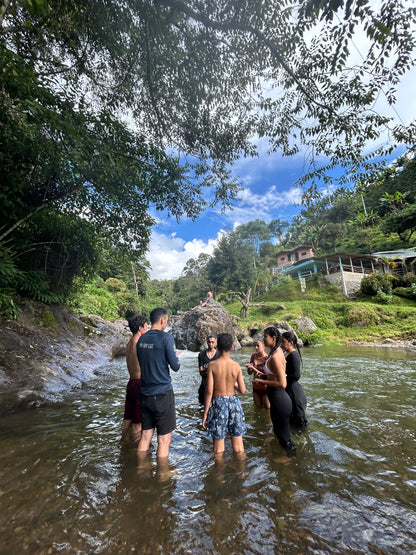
x=95, y=300
x=383, y=298
x=407, y=280
x=406, y=292
x=361, y=316
x=8, y=308
x=372, y=284
x=115, y=285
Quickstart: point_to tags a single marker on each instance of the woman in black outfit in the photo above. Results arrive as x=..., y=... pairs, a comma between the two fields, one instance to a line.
x=280, y=402
x=293, y=388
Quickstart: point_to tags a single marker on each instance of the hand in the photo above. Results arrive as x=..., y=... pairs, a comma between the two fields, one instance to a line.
x=204, y=422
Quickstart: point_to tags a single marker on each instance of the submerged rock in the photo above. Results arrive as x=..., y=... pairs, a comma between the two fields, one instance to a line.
x=191, y=330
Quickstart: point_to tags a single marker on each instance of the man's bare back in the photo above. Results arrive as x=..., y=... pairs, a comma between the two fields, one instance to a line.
x=225, y=373
x=133, y=365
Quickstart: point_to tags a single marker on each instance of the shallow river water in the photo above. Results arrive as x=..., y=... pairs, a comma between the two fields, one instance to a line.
x=67, y=485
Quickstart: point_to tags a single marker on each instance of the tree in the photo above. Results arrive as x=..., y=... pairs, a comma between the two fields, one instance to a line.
x=277, y=228
x=402, y=222
x=254, y=233
x=108, y=108
x=231, y=267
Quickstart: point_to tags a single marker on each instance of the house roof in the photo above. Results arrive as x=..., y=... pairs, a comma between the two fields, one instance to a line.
x=334, y=257
x=399, y=253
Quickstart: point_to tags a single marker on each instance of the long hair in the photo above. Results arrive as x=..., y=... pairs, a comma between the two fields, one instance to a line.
x=274, y=332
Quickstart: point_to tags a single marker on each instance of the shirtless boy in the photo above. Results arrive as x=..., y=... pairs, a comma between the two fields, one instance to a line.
x=222, y=407
x=132, y=422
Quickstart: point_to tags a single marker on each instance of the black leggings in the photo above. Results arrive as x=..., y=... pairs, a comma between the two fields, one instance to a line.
x=298, y=397
x=280, y=411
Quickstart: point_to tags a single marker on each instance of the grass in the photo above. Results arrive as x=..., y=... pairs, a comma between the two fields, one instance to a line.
x=339, y=320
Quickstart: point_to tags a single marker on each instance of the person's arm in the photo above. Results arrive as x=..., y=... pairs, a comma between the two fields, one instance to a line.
x=241, y=386
x=173, y=360
x=202, y=370
x=208, y=395
x=251, y=366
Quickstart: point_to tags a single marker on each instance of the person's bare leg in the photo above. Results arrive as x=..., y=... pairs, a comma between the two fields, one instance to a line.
x=125, y=429
x=163, y=443
x=237, y=444
x=145, y=440
x=218, y=446
x=266, y=402
x=257, y=400
x=136, y=430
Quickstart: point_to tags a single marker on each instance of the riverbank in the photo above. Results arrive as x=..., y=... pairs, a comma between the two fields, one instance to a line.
x=50, y=350
x=338, y=320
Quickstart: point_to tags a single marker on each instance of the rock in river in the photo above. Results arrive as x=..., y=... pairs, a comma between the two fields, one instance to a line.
x=191, y=330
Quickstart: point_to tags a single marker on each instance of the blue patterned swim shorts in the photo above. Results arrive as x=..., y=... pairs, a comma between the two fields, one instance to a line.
x=225, y=413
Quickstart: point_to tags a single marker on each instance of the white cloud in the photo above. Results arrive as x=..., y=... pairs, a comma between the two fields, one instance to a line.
x=169, y=254
x=270, y=204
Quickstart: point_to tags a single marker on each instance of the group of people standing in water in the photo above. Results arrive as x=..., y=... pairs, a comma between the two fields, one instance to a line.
x=275, y=384
x=150, y=403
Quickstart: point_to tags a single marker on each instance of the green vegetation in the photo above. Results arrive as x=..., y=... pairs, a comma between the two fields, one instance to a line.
x=338, y=320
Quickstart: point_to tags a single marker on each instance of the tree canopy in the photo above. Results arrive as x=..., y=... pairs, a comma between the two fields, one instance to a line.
x=109, y=108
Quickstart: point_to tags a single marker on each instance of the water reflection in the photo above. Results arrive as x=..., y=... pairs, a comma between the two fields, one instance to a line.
x=66, y=483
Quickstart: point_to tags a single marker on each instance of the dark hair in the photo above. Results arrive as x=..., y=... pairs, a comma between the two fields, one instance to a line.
x=136, y=322
x=225, y=342
x=157, y=314
x=292, y=338
x=210, y=336
x=274, y=332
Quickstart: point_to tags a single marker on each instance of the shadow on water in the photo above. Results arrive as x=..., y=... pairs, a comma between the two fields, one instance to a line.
x=67, y=485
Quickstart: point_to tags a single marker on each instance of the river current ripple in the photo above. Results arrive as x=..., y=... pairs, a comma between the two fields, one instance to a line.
x=67, y=485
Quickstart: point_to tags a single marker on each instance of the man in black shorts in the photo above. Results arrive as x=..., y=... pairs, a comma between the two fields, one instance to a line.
x=156, y=353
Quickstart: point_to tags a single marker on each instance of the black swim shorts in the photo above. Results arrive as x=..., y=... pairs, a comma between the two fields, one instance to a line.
x=158, y=411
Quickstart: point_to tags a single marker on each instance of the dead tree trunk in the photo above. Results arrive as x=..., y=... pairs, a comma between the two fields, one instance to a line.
x=245, y=301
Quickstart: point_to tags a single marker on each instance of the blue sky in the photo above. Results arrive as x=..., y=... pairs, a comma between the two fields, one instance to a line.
x=267, y=193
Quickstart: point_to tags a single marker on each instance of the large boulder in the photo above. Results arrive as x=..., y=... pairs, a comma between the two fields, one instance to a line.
x=191, y=330
x=305, y=325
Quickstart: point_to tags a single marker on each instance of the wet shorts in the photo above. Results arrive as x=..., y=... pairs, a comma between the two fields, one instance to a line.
x=225, y=414
x=132, y=406
x=158, y=411
x=260, y=388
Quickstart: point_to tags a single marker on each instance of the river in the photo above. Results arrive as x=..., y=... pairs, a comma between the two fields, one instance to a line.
x=68, y=486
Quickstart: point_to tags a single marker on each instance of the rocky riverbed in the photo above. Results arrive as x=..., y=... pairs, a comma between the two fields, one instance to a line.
x=49, y=350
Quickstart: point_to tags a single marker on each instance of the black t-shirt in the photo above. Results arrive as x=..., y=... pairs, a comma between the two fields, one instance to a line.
x=204, y=360
x=293, y=367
